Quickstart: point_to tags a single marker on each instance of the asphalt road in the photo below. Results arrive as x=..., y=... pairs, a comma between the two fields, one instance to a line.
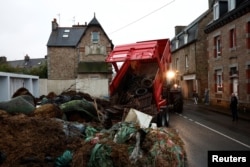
x=202, y=130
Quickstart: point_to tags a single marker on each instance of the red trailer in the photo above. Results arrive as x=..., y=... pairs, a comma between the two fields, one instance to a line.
x=140, y=77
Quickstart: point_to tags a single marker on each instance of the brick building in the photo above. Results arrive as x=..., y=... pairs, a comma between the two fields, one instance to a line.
x=189, y=56
x=78, y=52
x=228, y=47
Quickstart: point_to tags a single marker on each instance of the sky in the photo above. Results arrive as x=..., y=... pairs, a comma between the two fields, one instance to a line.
x=25, y=25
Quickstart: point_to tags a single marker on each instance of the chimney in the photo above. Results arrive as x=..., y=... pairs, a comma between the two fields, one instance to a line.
x=179, y=29
x=3, y=59
x=54, y=25
x=26, y=58
x=211, y=3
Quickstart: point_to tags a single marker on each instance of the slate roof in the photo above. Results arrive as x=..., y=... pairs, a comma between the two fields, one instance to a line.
x=240, y=10
x=94, y=22
x=191, y=30
x=66, y=36
x=28, y=64
x=70, y=36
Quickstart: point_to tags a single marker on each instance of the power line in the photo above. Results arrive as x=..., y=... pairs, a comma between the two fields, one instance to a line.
x=143, y=17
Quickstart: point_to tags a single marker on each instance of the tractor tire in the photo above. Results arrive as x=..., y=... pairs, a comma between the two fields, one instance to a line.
x=141, y=91
x=163, y=118
x=147, y=83
x=178, y=103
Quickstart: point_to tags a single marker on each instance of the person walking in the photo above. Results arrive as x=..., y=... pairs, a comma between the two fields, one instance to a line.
x=195, y=96
x=233, y=107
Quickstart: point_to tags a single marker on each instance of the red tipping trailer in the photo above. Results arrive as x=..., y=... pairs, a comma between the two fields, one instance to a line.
x=141, y=69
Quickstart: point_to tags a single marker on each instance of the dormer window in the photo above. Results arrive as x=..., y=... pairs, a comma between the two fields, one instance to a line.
x=231, y=5
x=177, y=43
x=95, y=37
x=216, y=11
x=221, y=8
x=185, y=38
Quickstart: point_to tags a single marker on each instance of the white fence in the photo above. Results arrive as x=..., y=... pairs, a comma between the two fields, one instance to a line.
x=10, y=82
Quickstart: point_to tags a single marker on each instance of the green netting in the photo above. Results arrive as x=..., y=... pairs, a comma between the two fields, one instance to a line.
x=64, y=160
x=100, y=155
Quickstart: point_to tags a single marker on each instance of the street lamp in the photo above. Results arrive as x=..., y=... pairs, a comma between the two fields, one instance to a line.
x=170, y=75
x=171, y=78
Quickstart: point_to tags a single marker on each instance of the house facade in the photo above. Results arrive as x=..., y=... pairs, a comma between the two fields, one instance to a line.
x=78, y=52
x=189, y=56
x=228, y=49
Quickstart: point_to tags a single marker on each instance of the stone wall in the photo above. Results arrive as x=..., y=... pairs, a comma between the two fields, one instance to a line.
x=238, y=57
x=62, y=63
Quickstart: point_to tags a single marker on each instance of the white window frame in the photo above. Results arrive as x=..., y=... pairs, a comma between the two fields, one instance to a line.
x=177, y=44
x=218, y=46
x=216, y=11
x=231, y=5
x=186, y=61
x=185, y=38
x=219, y=80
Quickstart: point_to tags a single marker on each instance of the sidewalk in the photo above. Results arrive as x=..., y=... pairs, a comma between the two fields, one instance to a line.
x=241, y=114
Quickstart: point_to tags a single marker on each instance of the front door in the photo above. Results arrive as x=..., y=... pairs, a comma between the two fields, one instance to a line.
x=235, y=86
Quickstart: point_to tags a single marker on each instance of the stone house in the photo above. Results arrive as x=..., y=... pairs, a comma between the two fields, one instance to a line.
x=78, y=52
x=228, y=48
x=189, y=56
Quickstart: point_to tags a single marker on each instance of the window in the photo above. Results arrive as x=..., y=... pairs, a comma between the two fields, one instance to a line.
x=186, y=61
x=185, y=38
x=218, y=77
x=177, y=64
x=177, y=44
x=65, y=35
x=233, y=71
x=231, y=5
x=217, y=46
x=95, y=37
x=232, y=38
x=216, y=11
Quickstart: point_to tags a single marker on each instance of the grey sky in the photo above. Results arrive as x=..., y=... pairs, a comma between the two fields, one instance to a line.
x=26, y=24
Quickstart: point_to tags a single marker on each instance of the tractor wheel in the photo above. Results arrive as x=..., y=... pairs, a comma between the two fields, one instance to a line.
x=178, y=103
x=141, y=91
x=163, y=118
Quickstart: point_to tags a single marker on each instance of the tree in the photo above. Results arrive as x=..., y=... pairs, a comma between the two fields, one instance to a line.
x=40, y=71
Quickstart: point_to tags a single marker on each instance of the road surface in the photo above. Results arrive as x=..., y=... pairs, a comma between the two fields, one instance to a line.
x=203, y=130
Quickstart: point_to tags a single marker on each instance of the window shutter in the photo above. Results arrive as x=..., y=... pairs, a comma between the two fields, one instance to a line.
x=215, y=82
x=248, y=74
x=215, y=48
x=222, y=84
x=230, y=39
x=220, y=49
x=248, y=88
x=231, y=86
x=248, y=80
